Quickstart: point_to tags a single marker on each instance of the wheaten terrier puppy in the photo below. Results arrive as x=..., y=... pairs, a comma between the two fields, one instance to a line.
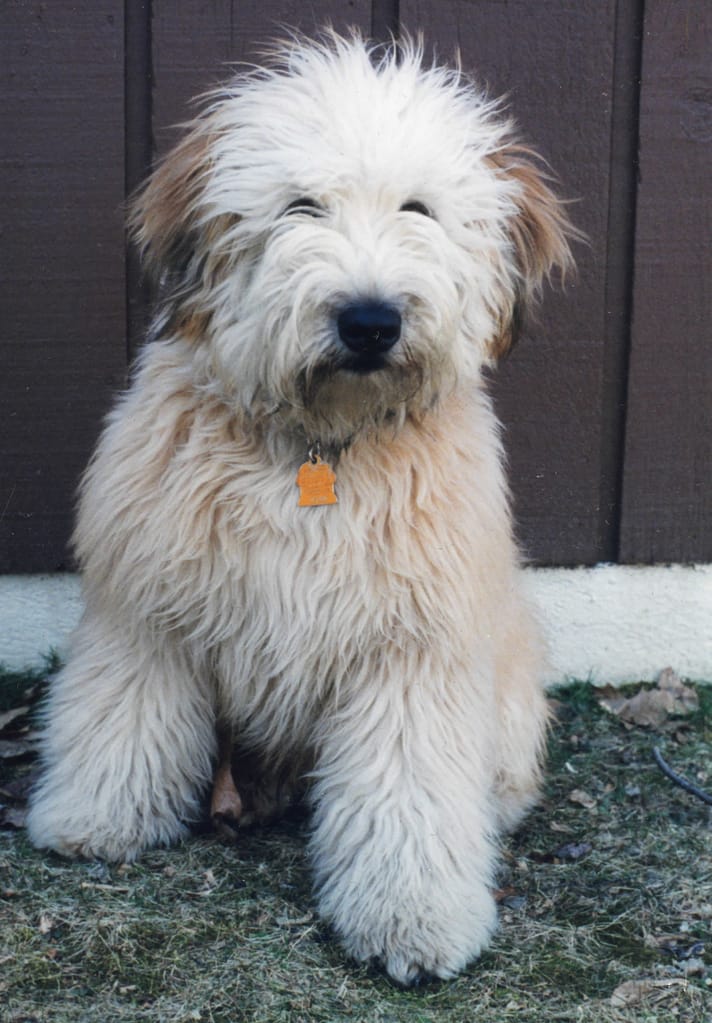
x=295, y=529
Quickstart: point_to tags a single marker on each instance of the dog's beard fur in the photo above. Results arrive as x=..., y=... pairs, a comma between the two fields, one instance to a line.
x=338, y=400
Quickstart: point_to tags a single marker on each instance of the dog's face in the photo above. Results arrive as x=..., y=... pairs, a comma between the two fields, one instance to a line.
x=344, y=238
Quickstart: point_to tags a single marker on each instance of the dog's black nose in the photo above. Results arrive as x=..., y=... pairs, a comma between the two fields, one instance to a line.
x=369, y=328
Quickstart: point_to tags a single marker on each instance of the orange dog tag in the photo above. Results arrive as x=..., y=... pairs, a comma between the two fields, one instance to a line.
x=315, y=480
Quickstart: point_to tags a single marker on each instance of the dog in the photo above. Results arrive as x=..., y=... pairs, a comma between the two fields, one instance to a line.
x=295, y=535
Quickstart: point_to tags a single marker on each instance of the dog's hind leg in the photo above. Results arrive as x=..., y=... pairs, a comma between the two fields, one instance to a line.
x=255, y=788
x=225, y=800
x=129, y=745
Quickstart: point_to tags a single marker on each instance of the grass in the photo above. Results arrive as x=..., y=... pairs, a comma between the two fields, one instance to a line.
x=219, y=933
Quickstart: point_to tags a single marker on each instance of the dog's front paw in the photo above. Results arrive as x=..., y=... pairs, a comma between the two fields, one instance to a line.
x=409, y=967
x=427, y=948
x=414, y=939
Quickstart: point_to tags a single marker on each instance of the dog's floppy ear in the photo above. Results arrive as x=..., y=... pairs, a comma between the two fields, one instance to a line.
x=164, y=216
x=539, y=231
x=183, y=244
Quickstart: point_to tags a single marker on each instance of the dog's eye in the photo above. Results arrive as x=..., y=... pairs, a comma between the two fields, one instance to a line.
x=305, y=205
x=416, y=206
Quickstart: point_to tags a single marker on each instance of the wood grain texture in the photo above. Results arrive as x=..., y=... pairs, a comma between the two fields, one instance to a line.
x=62, y=275
x=667, y=488
x=623, y=188
x=555, y=62
x=195, y=46
x=384, y=19
x=609, y=430
x=138, y=141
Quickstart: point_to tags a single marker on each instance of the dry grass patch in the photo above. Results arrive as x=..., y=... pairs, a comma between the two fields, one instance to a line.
x=605, y=907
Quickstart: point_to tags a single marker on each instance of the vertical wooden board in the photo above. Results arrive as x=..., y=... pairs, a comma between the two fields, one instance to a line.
x=667, y=491
x=196, y=45
x=554, y=60
x=62, y=275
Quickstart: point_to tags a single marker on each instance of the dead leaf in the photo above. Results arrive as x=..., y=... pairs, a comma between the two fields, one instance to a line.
x=46, y=923
x=8, y=716
x=105, y=887
x=11, y=749
x=679, y=946
x=555, y=706
x=584, y=799
x=572, y=851
x=568, y=853
x=12, y=816
x=19, y=788
x=633, y=992
x=651, y=708
x=300, y=921
x=686, y=699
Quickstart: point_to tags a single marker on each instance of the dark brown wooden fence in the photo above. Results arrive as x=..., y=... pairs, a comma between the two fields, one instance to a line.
x=607, y=401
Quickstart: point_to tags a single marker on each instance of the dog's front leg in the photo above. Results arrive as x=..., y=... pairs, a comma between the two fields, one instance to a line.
x=128, y=748
x=402, y=843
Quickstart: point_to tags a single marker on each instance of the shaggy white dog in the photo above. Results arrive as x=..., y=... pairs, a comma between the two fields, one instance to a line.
x=343, y=241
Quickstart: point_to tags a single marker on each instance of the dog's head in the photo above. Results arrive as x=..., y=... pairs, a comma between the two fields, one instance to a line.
x=347, y=235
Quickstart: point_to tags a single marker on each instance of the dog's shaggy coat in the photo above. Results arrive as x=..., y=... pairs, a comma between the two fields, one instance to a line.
x=379, y=647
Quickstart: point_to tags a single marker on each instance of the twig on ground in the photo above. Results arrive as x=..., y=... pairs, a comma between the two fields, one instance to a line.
x=679, y=780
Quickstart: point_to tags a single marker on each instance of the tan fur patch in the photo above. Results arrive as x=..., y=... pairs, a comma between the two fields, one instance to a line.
x=191, y=325
x=164, y=208
x=165, y=222
x=540, y=233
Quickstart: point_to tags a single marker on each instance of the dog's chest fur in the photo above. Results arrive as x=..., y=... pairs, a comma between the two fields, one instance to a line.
x=277, y=598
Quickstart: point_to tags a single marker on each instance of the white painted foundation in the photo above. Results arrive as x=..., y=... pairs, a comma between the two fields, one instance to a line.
x=610, y=623
x=37, y=614
x=619, y=623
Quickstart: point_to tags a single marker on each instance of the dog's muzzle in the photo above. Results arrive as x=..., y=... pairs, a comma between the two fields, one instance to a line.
x=368, y=330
